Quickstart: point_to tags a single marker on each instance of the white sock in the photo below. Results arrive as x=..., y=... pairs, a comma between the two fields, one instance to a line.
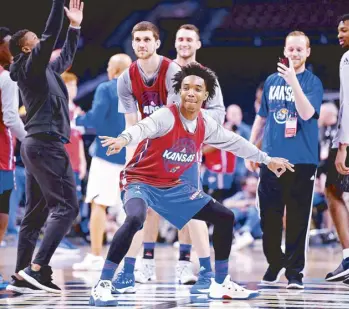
x=345, y=253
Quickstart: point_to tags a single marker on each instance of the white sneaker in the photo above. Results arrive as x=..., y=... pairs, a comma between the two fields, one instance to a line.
x=90, y=262
x=146, y=272
x=101, y=294
x=242, y=241
x=184, y=273
x=229, y=290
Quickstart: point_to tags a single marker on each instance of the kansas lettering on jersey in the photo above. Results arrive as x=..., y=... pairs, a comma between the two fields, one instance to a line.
x=149, y=98
x=6, y=141
x=161, y=161
x=284, y=93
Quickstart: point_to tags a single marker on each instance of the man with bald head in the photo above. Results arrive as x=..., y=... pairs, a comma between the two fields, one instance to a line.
x=103, y=182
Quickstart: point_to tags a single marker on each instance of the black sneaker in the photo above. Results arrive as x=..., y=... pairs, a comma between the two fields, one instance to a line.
x=272, y=275
x=340, y=273
x=23, y=287
x=42, y=279
x=295, y=283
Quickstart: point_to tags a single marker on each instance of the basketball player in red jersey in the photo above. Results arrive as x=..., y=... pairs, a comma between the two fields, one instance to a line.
x=168, y=143
x=142, y=89
x=187, y=43
x=145, y=42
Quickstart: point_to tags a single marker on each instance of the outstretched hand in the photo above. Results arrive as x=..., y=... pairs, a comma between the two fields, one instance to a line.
x=279, y=166
x=114, y=144
x=75, y=12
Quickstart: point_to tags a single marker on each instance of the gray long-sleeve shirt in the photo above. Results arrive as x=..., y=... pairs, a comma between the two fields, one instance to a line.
x=128, y=103
x=162, y=121
x=9, y=106
x=342, y=135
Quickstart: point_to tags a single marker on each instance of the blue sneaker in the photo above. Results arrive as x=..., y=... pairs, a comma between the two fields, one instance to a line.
x=340, y=273
x=66, y=247
x=124, y=283
x=203, y=284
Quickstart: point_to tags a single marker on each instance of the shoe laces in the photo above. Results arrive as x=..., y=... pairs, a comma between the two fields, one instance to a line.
x=106, y=284
x=204, y=278
x=184, y=268
x=233, y=286
x=122, y=277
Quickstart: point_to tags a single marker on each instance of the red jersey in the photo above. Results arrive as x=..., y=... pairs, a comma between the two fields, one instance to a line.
x=161, y=161
x=73, y=149
x=220, y=161
x=149, y=98
x=7, y=161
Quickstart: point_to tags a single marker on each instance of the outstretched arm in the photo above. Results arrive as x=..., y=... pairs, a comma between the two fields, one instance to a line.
x=41, y=53
x=155, y=125
x=66, y=57
x=219, y=137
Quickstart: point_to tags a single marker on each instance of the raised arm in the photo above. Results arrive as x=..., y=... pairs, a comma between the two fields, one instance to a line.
x=66, y=57
x=307, y=104
x=41, y=53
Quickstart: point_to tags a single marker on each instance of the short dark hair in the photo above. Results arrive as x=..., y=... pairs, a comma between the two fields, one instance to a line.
x=190, y=27
x=16, y=42
x=146, y=26
x=343, y=18
x=4, y=32
x=197, y=69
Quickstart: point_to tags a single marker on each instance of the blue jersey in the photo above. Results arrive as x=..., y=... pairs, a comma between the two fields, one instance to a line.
x=105, y=118
x=278, y=103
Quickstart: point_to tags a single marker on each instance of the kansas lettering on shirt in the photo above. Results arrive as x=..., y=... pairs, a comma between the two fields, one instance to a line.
x=278, y=103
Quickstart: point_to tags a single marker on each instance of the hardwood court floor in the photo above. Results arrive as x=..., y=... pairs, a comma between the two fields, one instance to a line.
x=246, y=268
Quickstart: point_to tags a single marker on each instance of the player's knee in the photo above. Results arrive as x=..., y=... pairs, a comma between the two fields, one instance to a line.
x=229, y=219
x=135, y=221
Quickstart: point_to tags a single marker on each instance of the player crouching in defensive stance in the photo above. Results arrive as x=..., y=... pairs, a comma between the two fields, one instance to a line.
x=168, y=143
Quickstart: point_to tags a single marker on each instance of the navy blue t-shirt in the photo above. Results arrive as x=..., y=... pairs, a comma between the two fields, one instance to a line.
x=277, y=104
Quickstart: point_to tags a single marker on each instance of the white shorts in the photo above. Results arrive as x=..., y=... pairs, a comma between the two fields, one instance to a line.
x=103, y=183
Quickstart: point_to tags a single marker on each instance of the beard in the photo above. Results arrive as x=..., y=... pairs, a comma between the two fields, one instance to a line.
x=144, y=55
x=299, y=64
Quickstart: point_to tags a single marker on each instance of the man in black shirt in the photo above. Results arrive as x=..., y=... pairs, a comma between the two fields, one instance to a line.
x=50, y=184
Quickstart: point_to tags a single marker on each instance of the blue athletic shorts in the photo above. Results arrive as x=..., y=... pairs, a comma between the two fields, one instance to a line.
x=6, y=181
x=192, y=176
x=177, y=204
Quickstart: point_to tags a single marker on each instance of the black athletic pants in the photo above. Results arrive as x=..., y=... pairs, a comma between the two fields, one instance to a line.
x=295, y=191
x=136, y=209
x=50, y=196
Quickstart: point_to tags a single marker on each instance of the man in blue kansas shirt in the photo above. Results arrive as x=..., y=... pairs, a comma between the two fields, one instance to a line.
x=290, y=108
